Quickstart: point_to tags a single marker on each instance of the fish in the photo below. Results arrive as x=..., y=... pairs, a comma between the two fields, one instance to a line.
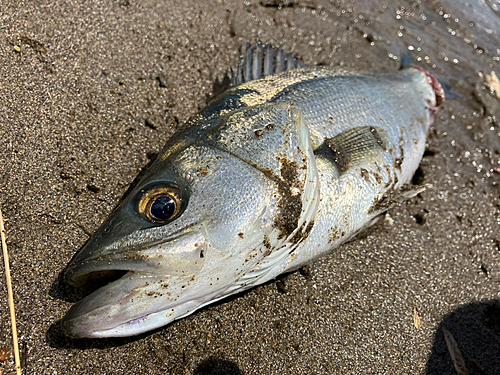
x=285, y=166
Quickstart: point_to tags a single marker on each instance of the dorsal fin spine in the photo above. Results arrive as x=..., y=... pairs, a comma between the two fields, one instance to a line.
x=261, y=60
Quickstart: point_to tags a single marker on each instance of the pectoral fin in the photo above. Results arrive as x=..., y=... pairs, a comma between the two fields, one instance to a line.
x=354, y=146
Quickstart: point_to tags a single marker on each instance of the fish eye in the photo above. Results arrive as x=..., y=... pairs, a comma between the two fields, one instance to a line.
x=162, y=207
x=161, y=203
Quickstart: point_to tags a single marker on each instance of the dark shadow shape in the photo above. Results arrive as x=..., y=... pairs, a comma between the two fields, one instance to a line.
x=418, y=177
x=448, y=91
x=280, y=4
x=217, y=366
x=218, y=88
x=476, y=329
x=62, y=291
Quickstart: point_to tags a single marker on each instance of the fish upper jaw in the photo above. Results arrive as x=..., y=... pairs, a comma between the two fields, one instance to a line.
x=98, y=263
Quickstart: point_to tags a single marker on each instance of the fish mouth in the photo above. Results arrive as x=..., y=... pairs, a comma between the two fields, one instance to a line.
x=131, y=305
x=98, y=272
x=95, y=265
x=135, y=289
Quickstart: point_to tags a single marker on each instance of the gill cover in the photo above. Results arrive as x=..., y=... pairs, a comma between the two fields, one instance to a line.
x=250, y=134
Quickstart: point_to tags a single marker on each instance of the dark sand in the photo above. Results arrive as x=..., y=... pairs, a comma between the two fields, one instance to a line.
x=97, y=87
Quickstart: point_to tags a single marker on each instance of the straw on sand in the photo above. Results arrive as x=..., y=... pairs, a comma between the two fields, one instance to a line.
x=11, y=297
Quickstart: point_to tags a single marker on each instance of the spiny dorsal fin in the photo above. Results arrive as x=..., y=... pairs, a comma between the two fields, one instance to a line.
x=354, y=145
x=262, y=60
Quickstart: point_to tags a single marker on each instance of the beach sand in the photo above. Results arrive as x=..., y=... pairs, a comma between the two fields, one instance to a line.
x=90, y=92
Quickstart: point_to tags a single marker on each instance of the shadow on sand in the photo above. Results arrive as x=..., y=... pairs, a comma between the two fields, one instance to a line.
x=475, y=328
x=217, y=366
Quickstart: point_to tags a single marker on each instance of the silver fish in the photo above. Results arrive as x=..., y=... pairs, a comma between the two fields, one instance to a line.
x=282, y=168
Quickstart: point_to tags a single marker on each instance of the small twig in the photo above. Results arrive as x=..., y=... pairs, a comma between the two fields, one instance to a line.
x=50, y=97
x=456, y=355
x=11, y=297
x=417, y=320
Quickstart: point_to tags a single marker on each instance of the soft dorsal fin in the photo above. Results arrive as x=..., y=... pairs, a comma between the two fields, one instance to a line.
x=351, y=147
x=263, y=60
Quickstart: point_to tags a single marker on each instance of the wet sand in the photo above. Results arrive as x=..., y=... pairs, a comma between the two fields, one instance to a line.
x=90, y=92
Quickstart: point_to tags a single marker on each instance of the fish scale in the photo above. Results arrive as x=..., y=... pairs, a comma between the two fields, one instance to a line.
x=279, y=170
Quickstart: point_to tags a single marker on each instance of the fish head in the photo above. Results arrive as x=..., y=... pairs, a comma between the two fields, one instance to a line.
x=205, y=222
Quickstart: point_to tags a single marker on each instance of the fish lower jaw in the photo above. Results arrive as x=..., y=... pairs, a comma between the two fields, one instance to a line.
x=95, y=317
x=82, y=326
x=132, y=327
x=154, y=320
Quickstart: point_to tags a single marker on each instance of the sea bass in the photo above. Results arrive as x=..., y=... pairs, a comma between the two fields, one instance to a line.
x=288, y=164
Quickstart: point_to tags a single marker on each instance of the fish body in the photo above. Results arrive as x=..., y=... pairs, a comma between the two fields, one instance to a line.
x=276, y=172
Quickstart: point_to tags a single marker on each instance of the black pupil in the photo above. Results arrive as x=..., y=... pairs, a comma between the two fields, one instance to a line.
x=163, y=207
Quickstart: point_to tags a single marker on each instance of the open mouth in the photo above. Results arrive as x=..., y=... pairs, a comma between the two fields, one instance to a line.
x=97, y=266
x=133, y=289
x=95, y=280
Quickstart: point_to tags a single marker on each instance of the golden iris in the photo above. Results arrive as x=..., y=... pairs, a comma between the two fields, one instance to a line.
x=161, y=203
